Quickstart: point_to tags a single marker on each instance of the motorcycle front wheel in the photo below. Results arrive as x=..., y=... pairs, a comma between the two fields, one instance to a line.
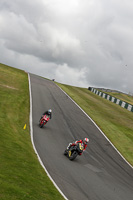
x=41, y=125
x=73, y=155
x=65, y=152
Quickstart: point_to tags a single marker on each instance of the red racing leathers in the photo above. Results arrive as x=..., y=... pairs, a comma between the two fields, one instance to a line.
x=80, y=141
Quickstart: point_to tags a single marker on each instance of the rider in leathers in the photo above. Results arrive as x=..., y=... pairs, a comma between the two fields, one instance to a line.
x=84, y=142
x=48, y=113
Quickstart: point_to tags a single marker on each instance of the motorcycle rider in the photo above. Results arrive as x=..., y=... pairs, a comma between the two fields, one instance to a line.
x=48, y=113
x=84, y=142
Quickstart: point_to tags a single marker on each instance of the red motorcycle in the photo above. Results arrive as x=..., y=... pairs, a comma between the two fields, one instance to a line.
x=44, y=119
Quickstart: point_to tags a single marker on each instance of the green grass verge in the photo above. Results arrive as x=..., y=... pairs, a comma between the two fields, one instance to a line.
x=21, y=175
x=115, y=121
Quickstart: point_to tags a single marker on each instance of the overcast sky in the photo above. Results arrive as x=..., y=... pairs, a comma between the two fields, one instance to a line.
x=77, y=42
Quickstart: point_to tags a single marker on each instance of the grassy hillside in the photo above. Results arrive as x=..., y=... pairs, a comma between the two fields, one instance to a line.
x=21, y=175
x=115, y=121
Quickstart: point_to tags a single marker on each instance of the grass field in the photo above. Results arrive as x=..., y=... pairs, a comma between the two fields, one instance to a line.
x=21, y=175
x=115, y=121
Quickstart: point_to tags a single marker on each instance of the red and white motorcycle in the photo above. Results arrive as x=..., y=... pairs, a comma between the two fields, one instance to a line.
x=44, y=119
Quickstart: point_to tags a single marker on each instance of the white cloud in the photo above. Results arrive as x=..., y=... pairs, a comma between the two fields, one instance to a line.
x=68, y=75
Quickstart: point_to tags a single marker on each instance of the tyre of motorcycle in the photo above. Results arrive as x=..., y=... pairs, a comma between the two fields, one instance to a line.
x=41, y=125
x=73, y=155
x=65, y=152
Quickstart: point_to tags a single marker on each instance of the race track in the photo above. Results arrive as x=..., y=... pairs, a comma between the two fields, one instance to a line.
x=100, y=173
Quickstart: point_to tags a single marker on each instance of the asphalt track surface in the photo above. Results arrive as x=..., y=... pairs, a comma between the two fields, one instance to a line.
x=100, y=173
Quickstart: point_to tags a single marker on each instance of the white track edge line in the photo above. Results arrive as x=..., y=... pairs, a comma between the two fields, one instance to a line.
x=98, y=128
x=31, y=133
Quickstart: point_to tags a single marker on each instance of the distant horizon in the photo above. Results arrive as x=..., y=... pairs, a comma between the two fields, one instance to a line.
x=104, y=88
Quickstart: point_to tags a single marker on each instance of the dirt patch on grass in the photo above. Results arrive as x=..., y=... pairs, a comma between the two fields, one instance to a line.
x=7, y=86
